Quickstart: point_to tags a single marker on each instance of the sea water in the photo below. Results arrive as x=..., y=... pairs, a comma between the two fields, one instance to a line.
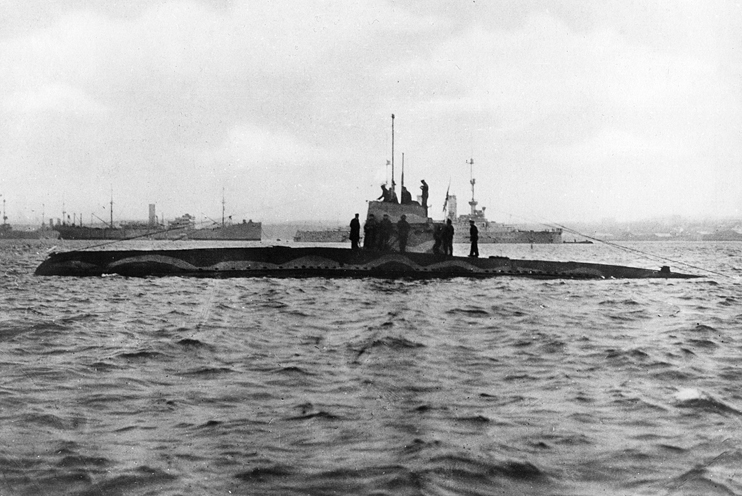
x=168, y=386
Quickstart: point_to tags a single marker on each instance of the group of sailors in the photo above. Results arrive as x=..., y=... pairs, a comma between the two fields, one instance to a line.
x=443, y=239
x=390, y=195
x=377, y=234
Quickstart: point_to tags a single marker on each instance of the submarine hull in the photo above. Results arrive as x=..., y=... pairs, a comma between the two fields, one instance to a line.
x=281, y=261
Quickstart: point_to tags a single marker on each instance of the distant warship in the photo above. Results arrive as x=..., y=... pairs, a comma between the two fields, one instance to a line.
x=492, y=232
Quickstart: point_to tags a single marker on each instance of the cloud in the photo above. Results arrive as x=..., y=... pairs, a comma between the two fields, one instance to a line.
x=193, y=94
x=248, y=145
x=60, y=98
x=611, y=145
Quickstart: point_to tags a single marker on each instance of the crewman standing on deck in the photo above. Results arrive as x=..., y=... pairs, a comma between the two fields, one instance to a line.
x=385, y=232
x=424, y=196
x=403, y=231
x=355, y=233
x=369, y=233
x=448, y=232
x=474, y=237
x=437, y=238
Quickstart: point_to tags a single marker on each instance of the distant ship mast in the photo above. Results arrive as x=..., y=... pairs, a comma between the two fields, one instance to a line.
x=392, y=193
x=111, y=207
x=473, y=203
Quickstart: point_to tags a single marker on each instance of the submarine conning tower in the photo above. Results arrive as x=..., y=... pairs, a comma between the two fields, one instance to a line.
x=415, y=213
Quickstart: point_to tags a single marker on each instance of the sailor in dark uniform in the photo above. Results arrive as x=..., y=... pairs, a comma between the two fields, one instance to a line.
x=403, y=231
x=448, y=233
x=355, y=233
x=369, y=233
x=424, y=195
x=437, y=238
x=474, y=236
x=385, y=232
x=385, y=194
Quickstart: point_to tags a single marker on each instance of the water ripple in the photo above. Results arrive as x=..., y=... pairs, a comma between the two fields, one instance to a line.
x=372, y=387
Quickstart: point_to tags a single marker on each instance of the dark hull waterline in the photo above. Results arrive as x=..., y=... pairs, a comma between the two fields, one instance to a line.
x=281, y=261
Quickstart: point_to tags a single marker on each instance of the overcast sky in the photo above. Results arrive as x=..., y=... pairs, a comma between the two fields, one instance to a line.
x=571, y=110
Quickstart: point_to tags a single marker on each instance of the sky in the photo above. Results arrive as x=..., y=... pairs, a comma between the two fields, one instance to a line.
x=570, y=110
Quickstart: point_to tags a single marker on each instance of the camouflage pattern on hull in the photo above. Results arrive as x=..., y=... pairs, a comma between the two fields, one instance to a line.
x=281, y=261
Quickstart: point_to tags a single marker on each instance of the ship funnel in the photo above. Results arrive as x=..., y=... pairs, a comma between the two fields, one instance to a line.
x=152, y=216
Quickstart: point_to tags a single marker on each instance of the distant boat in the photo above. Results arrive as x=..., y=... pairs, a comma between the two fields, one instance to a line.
x=77, y=232
x=183, y=227
x=7, y=231
x=243, y=231
x=493, y=232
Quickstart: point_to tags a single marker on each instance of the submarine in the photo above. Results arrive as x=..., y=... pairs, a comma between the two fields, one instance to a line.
x=416, y=258
x=327, y=262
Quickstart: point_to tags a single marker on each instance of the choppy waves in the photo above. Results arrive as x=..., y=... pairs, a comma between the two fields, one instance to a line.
x=505, y=386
